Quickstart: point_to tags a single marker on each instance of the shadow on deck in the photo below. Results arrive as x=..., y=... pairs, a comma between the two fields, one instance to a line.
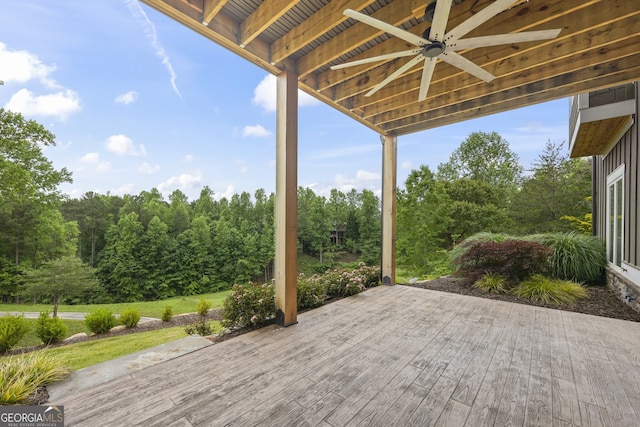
x=391, y=356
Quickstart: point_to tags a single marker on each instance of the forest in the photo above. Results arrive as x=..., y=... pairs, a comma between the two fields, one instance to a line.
x=110, y=248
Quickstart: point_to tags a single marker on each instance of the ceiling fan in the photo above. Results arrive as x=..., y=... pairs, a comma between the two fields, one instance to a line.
x=440, y=45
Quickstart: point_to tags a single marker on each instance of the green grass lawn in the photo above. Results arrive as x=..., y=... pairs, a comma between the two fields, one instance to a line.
x=87, y=353
x=179, y=305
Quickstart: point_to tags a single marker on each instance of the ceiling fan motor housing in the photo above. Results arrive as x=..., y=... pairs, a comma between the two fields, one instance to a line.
x=434, y=49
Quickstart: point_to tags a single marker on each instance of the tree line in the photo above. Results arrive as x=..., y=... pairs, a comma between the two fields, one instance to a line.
x=143, y=247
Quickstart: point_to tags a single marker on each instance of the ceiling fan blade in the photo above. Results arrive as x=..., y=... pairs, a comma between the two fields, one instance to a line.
x=395, y=74
x=388, y=28
x=496, y=40
x=478, y=19
x=427, y=73
x=377, y=58
x=440, y=19
x=464, y=64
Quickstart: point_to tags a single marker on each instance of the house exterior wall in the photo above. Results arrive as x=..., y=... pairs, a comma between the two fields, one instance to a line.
x=626, y=280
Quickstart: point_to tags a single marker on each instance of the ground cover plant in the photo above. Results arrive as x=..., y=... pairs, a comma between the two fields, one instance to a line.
x=20, y=376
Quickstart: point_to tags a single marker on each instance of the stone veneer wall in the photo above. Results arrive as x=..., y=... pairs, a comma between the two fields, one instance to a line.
x=626, y=290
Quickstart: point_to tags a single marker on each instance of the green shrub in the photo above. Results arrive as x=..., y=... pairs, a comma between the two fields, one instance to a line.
x=201, y=328
x=540, y=288
x=100, y=321
x=491, y=283
x=203, y=307
x=167, y=314
x=50, y=330
x=21, y=376
x=130, y=317
x=249, y=305
x=12, y=330
x=311, y=291
x=575, y=256
x=515, y=260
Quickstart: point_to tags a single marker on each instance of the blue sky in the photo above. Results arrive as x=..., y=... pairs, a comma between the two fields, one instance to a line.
x=138, y=101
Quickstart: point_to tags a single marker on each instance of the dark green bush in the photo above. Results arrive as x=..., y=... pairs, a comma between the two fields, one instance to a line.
x=100, y=321
x=515, y=260
x=575, y=256
x=12, y=330
x=50, y=330
x=167, y=314
x=130, y=317
x=249, y=305
x=203, y=307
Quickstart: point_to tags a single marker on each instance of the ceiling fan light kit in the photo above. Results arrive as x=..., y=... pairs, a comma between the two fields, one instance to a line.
x=436, y=43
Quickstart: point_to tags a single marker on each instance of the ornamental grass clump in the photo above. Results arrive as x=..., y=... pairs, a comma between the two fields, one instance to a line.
x=491, y=283
x=50, y=330
x=21, y=376
x=540, y=288
x=575, y=256
x=12, y=330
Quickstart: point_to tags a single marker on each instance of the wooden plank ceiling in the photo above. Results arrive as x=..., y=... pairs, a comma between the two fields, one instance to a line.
x=597, y=48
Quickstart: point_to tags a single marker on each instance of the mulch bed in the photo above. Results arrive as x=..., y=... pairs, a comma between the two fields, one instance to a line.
x=601, y=301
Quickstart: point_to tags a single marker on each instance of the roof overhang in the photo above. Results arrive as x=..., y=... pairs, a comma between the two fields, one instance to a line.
x=597, y=48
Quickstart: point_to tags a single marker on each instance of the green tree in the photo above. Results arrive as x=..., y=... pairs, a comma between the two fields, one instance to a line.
x=120, y=270
x=369, y=221
x=66, y=276
x=156, y=249
x=423, y=220
x=484, y=157
x=559, y=187
x=28, y=185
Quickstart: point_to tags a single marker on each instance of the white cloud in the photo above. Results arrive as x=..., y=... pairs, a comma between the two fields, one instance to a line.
x=91, y=158
x=150, y=30
x=127, y=97
x=264, y=95
x=227, y=194
x=183, y=181
x=21, y=66
x=256, y=131
x=407, y=165
x=147, y=168
x=123, y=145
x=59, y=104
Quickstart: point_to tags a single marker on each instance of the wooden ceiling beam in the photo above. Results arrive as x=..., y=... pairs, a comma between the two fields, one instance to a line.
x=530, y=61
x=210, y=9
x=395, y=13
x=316, y=25
x=525, y=96
x=593, y=58
x=564, y=11
x=266, y=14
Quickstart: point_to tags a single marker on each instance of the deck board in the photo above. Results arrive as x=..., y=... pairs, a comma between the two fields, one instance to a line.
x=391, y=356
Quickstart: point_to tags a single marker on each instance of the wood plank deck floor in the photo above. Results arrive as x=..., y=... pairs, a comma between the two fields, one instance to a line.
x=392, y=356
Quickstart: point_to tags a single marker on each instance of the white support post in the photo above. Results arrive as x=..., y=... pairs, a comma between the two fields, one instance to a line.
x=286, y=199
x=389, y=177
